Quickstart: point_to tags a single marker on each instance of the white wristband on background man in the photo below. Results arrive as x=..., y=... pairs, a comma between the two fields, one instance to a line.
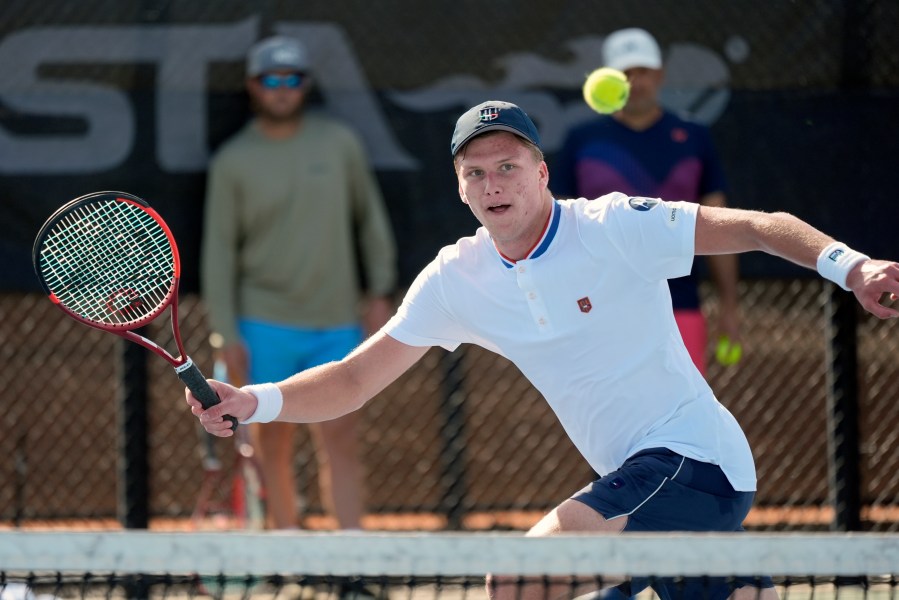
x=836, y=260
x=269, y=401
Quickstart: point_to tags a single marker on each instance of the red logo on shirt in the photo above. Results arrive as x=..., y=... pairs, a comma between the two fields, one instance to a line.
x=584, y=304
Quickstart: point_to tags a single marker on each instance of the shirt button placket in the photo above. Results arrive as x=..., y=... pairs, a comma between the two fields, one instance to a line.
x=535, y=301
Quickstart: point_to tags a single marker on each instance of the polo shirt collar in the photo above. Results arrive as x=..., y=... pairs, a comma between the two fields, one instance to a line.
x=549, y=232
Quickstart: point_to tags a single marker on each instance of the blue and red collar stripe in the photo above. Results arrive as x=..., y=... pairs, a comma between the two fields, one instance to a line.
x=549, y=232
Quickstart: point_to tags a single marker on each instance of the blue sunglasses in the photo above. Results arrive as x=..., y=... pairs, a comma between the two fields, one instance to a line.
x=273, y=81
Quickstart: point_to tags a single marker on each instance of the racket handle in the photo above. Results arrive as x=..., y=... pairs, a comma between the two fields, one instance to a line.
x=200, y=388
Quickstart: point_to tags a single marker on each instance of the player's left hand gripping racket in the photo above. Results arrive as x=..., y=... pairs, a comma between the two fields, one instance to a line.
x=109, y=261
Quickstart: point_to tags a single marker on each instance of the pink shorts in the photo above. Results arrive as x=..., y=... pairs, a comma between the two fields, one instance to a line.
x=693, y=330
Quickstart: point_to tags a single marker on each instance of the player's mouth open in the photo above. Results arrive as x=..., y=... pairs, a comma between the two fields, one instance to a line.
x=499, y=208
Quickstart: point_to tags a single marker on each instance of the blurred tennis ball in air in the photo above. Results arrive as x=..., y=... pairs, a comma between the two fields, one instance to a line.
x=606, y=90
x=728, y=352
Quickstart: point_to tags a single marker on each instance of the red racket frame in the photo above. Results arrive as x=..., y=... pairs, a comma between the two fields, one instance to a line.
x=184, y=366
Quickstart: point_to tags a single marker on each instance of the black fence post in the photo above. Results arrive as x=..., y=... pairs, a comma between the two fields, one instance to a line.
x=842, y=409
x=21, y=467
x=452, y=433
x=134, y=471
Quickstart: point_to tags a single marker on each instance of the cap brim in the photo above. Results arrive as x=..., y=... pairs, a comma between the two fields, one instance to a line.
x=486, y=128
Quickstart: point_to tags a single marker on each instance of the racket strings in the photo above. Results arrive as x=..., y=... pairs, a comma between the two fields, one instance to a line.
x=109, y=262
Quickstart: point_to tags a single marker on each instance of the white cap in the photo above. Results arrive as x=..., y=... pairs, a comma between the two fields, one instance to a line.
x=628, y=48
x=278, y=53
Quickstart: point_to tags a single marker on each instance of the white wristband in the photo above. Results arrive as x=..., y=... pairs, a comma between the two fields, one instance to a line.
x=836, y=260
x=269, y=402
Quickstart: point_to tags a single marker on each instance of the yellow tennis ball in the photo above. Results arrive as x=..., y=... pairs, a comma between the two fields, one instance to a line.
x=728, y=352
x=606, y=90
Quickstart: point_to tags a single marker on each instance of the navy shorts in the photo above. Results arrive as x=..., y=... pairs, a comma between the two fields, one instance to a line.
x=660, y=490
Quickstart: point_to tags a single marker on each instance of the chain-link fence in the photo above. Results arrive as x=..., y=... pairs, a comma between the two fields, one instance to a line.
x=461, y=440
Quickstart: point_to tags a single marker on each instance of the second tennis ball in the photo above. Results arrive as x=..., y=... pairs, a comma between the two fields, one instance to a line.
x=728, y=352
x=606, y=90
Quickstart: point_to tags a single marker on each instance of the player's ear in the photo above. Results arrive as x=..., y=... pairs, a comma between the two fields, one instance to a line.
x=462, y=195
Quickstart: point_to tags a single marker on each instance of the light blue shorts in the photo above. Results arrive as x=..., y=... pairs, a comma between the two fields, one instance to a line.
x=278, y=351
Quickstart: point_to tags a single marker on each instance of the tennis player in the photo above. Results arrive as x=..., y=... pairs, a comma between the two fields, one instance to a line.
x=575, y=294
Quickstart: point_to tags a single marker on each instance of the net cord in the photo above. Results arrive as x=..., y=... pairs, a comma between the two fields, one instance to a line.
x=456, y=554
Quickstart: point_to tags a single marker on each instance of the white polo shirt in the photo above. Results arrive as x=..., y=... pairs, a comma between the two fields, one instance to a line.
x=587, y=318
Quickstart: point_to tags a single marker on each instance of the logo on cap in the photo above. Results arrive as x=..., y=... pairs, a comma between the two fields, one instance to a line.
x=286, y=55
x=488, y=114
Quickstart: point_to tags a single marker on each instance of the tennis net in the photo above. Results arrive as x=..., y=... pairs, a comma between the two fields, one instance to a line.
x=40, y=565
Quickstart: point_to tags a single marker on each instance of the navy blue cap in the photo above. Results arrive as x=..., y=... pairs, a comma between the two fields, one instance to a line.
x=490, y=116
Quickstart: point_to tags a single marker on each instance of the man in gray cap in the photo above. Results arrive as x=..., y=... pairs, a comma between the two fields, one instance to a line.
x=279, y=274
x=645, y=150
x=575, y=294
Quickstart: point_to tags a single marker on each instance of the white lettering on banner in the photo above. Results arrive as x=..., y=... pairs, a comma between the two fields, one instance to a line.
x=182, y=54
x=696, y=83
x=347, y=94
x=110, y=123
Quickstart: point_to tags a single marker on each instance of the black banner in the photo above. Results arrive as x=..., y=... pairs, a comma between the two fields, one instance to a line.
x=802, y=99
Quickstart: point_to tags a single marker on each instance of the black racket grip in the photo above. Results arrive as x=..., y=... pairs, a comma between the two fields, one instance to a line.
x=200, y=388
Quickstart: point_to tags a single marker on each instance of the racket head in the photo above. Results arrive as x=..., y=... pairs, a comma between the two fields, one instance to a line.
x=108, y=260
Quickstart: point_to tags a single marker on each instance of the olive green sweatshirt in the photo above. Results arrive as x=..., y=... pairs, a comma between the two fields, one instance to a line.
x=278, y=240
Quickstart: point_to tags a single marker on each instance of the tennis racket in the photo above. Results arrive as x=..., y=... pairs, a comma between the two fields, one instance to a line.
x=109, y=261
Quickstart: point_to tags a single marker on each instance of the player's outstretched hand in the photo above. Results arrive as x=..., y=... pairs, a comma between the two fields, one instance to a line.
x=870, y=280
x=234, y=402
